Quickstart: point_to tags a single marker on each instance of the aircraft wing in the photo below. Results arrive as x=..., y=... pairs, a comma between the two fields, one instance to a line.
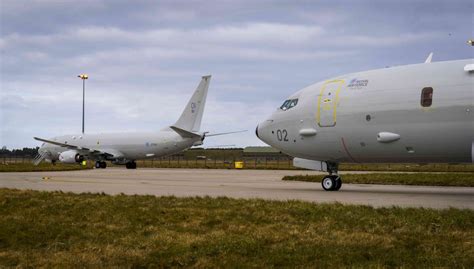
x=108, y=153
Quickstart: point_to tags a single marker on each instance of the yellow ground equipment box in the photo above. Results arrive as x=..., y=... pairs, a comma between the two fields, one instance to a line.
x=239, y=165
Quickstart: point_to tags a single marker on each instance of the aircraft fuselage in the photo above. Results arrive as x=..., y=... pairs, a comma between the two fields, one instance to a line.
x=128, y=146
x=419, y=113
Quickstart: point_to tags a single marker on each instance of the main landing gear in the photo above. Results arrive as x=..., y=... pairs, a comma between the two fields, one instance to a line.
x=131, y=165
x=333, y=181
x=100, y=164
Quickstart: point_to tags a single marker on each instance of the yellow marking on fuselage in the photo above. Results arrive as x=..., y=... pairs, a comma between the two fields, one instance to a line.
x=326, y=103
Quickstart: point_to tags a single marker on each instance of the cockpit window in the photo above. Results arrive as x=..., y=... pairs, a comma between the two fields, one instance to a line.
x=289, y=104
x=285, y=105
x=293, y=103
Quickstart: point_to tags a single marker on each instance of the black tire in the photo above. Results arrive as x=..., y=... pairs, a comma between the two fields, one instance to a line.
x=103, y=165
x=97, y=165
x=131, y=165
x=338, y=181
x=328, y=183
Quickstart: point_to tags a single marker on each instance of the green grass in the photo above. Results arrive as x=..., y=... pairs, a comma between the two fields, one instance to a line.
x=250, y=163
x=407, y=167
x=219, y=162
x=29, y=167
x=55, y=229
x=422, y=179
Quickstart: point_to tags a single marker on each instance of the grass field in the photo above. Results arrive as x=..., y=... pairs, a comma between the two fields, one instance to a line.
x=29, y=167
x=54, y=229
x=422, y=179
x=263, y=163
x=288, y=164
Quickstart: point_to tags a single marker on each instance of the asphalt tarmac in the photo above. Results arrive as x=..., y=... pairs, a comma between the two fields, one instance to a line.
x=264, y=184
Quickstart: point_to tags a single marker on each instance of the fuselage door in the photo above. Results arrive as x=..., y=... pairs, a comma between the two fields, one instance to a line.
x=328, y=101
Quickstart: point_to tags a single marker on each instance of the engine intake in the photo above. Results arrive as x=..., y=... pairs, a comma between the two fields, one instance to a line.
x=71, y=156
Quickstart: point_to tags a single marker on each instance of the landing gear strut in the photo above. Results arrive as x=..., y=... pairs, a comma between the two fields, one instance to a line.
x=100, y=164
x=333, y=181
x=131, y=165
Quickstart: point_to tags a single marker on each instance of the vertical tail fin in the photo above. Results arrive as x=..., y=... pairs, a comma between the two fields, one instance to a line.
x=191, y=117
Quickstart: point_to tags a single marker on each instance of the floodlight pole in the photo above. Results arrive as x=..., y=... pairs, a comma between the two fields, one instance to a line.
x=83, y=77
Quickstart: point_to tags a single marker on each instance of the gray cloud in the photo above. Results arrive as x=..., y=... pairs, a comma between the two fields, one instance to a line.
x=145, y=57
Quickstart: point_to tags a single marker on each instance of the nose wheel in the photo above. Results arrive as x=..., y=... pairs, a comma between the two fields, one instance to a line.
x=331, y=183
x=100, y=164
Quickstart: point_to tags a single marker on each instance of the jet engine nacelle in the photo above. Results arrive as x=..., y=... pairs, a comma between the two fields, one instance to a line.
x=70, y=156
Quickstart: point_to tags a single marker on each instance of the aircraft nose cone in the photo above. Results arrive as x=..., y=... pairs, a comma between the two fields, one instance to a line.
x=262, y=131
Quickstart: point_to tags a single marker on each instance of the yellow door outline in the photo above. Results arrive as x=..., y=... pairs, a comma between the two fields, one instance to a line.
x=322, y=102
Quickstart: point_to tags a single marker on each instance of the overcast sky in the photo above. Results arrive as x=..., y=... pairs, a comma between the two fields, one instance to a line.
x=145, y=58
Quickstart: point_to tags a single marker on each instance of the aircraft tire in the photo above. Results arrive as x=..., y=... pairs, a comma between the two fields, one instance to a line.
x=328, y=183
x=103, y=165
x=131, y=165
x=98, y=165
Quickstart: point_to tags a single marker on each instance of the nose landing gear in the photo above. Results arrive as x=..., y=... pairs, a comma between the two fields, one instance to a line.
x=333, y=181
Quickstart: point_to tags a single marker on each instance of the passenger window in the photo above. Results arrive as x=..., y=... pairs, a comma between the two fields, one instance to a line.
x=426, y=97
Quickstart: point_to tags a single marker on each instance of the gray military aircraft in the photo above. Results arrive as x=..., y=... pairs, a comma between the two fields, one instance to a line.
x=125, y=148
x=416, y=113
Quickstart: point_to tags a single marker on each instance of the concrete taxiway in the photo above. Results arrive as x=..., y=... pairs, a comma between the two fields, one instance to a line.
x=265, y=184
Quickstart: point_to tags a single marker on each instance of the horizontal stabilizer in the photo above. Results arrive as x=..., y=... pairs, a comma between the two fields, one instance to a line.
x=184, y=133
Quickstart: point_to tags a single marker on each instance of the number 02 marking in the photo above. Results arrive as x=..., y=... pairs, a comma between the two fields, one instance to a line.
x=282, y=135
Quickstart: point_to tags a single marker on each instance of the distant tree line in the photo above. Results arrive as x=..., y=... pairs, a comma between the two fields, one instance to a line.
x=19, y=152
